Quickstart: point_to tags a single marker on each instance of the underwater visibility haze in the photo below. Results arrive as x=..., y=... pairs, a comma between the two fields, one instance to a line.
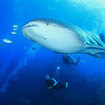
x=52, y=52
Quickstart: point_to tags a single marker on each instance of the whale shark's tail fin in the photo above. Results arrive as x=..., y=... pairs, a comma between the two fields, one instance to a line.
x=96, y=51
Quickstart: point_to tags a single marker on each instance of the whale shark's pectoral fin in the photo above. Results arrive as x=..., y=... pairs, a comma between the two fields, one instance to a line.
x=99, y=55
x=96, y=51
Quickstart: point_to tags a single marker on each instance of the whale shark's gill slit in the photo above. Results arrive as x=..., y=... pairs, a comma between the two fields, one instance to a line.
x=98, y=43
x=91, y=42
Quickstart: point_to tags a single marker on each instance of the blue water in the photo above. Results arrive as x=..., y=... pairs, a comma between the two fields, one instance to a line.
x=23, y=69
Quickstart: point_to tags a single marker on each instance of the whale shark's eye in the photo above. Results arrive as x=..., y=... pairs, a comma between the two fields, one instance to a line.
x=47, y=23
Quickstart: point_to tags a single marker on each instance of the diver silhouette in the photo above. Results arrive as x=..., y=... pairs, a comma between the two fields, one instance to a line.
x=69, y=60
x=53, y=84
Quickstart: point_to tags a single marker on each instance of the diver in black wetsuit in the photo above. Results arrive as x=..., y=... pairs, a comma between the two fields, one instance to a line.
x=69, y=60
x=53, y=84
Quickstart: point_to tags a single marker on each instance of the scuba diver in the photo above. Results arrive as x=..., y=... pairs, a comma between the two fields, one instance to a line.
x=69, y=60
x=53, y=84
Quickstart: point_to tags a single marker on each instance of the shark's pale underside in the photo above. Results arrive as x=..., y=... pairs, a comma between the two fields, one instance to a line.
x=64, y=39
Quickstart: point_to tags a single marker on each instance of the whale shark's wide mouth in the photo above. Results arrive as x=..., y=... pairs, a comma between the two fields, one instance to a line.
x=27, y=26
x=29, y=36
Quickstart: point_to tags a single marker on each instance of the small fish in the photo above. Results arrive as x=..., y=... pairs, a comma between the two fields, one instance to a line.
x=14, y=29
x=7, y=41
x=13, y=32
x=15, y=26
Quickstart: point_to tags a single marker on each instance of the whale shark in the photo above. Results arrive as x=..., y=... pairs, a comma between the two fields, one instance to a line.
x=62, y=38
